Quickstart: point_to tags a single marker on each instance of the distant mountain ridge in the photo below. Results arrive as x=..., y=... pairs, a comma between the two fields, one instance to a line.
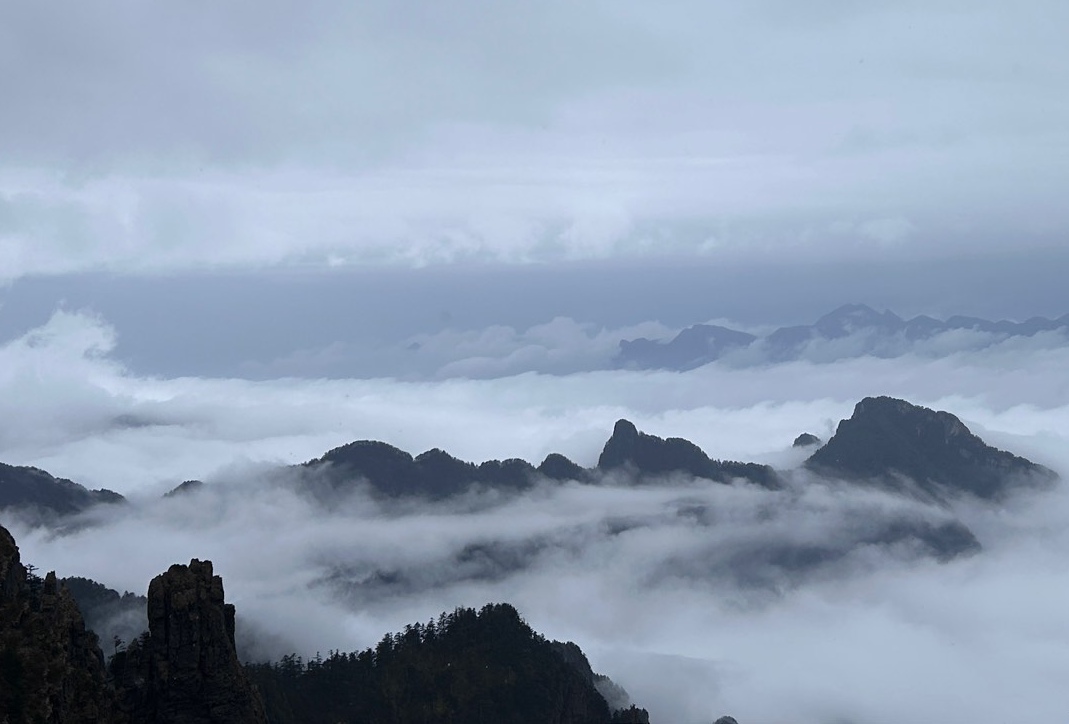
x=882, y=334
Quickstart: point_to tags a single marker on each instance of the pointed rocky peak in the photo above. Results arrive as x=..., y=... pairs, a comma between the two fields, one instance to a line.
x=558, y=467
x=651, y=455
x=806, y=439
x=648, y=453
x=186, y=669
x=624, y=430
x=888, y=439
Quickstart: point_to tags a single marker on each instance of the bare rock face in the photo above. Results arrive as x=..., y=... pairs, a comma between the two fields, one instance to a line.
x=51, y=667
x=186, y=670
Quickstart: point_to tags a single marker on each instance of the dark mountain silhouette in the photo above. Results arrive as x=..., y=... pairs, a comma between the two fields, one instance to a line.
x=185, y=669
x=436, y=474
x=51, y=667
x=886, y=439
x=883, y=334
x=651, y=455
x=558, y=467
x=806, y=439
x=35, y=492
x=900, y=445
x=468, y=666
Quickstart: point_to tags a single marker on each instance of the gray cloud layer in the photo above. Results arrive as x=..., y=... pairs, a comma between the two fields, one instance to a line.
x=142, y=138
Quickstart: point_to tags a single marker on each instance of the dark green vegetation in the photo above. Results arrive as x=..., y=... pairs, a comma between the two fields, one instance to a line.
x=466, y=667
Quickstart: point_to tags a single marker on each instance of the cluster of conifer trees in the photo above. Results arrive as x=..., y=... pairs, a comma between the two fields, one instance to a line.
x=466, y=667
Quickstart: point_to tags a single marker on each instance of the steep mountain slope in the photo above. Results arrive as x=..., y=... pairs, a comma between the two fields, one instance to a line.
x=468, y=666
x=899, y=445
x=35, y=492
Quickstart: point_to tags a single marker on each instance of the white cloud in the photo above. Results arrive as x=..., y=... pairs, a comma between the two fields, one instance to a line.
x=461, y=134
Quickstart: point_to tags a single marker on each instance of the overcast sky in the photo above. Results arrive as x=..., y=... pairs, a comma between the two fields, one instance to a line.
x=141, y=137
x=461, y=164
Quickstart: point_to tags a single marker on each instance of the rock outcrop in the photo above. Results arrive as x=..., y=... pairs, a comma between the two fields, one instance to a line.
x=51, y=667
x=909, y=448
x=651, y=455
x=185, y=670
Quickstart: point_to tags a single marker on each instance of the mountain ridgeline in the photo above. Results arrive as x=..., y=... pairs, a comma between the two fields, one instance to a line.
x=880, y=334
x=886, y=442
x=628, y=454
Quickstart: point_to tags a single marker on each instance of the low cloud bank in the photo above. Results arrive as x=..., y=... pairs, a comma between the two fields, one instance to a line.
x=670, y=587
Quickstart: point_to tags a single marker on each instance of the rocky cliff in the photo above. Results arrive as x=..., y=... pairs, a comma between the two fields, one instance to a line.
x=51, y=667
x=186, y=669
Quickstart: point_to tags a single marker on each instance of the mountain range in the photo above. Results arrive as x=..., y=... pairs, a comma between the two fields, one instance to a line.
x=852, y=330
x=177, y=660
x=885, y=442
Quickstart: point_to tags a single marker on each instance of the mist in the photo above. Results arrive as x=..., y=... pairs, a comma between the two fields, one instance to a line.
x=672, y=587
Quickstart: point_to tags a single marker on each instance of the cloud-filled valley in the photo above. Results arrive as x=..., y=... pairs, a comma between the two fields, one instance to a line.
x=697, y=597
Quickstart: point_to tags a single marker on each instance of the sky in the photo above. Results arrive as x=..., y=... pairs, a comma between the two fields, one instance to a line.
x=236, y=235
x=238, y=175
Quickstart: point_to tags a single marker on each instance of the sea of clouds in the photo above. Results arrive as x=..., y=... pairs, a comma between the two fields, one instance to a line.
x=662, y=584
